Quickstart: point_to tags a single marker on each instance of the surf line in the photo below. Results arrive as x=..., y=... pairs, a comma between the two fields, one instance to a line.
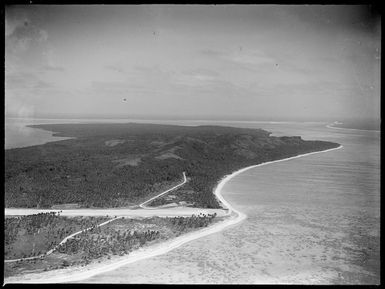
x=354, y=129
x=144, y=253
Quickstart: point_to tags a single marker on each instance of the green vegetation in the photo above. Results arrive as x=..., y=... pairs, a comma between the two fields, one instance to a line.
x=117, y=238
x=33, y=235
x=115, y=165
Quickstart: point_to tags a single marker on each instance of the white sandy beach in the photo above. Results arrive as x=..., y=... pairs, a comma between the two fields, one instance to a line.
x=80, y=273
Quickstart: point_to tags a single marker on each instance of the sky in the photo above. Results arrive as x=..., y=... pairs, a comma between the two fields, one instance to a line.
x=193, y=61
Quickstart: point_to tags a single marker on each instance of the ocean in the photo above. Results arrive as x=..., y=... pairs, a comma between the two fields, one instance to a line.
x=310, y=220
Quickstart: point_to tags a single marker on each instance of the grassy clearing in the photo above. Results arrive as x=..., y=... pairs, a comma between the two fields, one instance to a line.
x=183, y=196
x=114, y=142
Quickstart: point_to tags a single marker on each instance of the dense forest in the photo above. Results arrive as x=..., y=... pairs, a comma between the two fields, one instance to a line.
x=116, y=165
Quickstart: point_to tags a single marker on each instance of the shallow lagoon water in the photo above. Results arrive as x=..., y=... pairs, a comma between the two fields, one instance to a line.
x=311, y=220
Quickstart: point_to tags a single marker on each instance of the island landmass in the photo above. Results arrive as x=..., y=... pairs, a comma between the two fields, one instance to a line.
x=123, y=166
x=120, y=165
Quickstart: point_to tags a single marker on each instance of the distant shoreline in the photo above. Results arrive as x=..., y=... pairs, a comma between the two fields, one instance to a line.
x=97, y=119
x=77, y=274
x=345, y=128
x=335, y=126
x=55, y=136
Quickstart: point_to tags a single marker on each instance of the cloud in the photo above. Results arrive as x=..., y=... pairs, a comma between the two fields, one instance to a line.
x=19, y=80
x=154, y=75
x=14, y=20
x=242, y=57
x=210, y=52
x=53, y=68
x=42, y=85
x=109, y=85
x=195, y=78
x=25, y=81
x=27, y=44
x=115, y=68
x=22, y=35
x=251, y=57
x=201, y=71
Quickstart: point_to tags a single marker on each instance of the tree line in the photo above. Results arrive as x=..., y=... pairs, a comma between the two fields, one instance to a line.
x=117, y=238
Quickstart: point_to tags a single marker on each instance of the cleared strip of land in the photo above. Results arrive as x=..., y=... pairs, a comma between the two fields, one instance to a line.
x=139, y=213
x=122, y=212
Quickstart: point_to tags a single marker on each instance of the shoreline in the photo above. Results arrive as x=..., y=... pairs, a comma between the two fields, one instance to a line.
x=77, y=274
